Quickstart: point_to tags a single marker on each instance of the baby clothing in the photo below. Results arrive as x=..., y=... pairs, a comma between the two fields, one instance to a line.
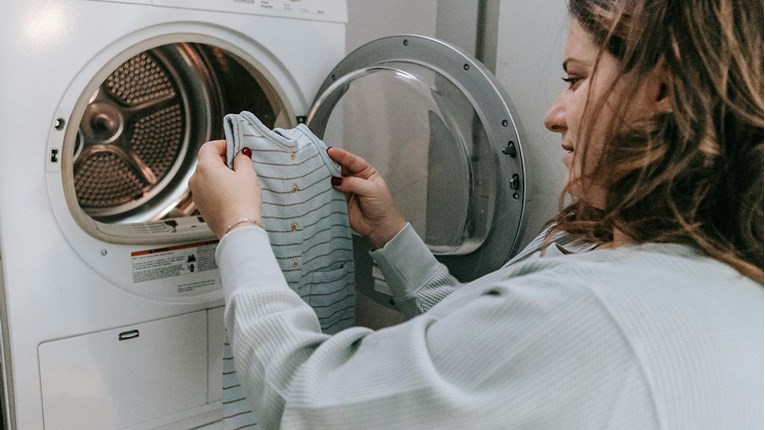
x=307, y=224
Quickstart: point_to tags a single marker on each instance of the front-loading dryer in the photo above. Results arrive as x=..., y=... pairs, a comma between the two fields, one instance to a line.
x=111, y=303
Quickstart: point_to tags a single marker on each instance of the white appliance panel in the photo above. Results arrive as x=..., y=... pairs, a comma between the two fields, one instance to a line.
x=126, y=376
x=320, y=10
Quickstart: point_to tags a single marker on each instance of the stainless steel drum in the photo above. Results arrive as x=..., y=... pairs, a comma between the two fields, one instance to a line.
x=143, y=126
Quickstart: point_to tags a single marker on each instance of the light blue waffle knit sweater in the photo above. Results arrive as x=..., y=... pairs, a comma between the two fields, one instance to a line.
x=654, y=336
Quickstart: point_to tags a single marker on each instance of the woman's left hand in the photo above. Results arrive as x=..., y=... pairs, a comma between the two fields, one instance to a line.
x=224, y=196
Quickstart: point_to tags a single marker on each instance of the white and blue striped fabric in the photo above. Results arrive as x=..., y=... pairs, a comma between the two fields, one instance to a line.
x=307, y=224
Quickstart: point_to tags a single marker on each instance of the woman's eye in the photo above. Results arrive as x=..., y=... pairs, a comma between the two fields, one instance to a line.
x=571, y=80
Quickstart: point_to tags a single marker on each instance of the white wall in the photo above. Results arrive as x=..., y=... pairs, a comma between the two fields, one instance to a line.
x=372, y=19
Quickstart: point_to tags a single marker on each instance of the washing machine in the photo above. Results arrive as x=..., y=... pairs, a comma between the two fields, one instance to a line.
x=111, y=302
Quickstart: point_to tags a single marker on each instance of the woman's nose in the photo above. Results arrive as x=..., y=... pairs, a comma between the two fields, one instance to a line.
x=554, y=118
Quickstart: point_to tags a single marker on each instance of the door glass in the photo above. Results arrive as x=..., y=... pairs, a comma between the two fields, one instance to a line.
x=424, y=136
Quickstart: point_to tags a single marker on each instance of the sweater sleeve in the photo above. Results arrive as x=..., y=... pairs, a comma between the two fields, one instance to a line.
x=238, y=267
x=499, y=355
x=417, y=279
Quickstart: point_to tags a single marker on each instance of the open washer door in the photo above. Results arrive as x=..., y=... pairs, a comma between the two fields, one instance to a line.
x=439, y=128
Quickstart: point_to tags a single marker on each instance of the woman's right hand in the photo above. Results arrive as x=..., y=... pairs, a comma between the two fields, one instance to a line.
x=371, y=209
x=222, y=195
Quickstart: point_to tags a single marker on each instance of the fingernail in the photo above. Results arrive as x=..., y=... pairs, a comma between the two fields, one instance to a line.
x=328, y=148
x=336, y=182
x=247, y=152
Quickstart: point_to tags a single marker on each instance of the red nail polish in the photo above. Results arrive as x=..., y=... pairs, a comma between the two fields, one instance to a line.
x=247, y=152
x=336, y=182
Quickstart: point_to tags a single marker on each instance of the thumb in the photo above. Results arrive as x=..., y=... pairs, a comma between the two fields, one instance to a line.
x=243, y=165
x=243, y=160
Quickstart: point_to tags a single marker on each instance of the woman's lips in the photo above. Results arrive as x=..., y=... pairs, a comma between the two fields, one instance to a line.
x=569, y=156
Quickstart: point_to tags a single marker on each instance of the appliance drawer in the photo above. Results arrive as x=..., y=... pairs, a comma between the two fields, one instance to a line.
x=125, y=376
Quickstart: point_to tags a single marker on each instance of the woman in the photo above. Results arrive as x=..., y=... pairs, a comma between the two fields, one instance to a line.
x=640, y=307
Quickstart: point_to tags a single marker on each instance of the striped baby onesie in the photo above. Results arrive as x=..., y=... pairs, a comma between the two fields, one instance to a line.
x=307, y=224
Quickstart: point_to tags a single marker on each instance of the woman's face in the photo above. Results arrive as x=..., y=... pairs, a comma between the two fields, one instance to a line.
x=565, y=116
x=584, y=82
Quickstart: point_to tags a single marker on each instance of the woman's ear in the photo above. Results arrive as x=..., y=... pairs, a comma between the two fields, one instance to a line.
x=663, y=92
x=663, y=99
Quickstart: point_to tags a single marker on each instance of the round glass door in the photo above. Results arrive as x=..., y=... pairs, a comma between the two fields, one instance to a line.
x=439, y=129
x=426, y=140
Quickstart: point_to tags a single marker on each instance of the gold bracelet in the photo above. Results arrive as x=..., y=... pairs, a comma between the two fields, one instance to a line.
x=242, y=221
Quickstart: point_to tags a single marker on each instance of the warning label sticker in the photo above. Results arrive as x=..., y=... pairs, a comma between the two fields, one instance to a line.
x=173, y=261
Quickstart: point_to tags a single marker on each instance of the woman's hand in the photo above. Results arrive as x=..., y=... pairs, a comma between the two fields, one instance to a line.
x=224, y=196
x=371, y=209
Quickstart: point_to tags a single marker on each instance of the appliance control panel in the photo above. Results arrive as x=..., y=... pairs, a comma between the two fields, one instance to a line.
x=317, y=10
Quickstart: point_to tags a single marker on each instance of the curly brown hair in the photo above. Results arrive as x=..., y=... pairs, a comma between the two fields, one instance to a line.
x=693, y=175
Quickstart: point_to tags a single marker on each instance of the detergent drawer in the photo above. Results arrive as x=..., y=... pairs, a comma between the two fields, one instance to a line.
x=126, y=376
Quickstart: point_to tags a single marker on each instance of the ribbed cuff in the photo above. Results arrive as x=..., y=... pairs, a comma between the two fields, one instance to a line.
x=405, y=262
